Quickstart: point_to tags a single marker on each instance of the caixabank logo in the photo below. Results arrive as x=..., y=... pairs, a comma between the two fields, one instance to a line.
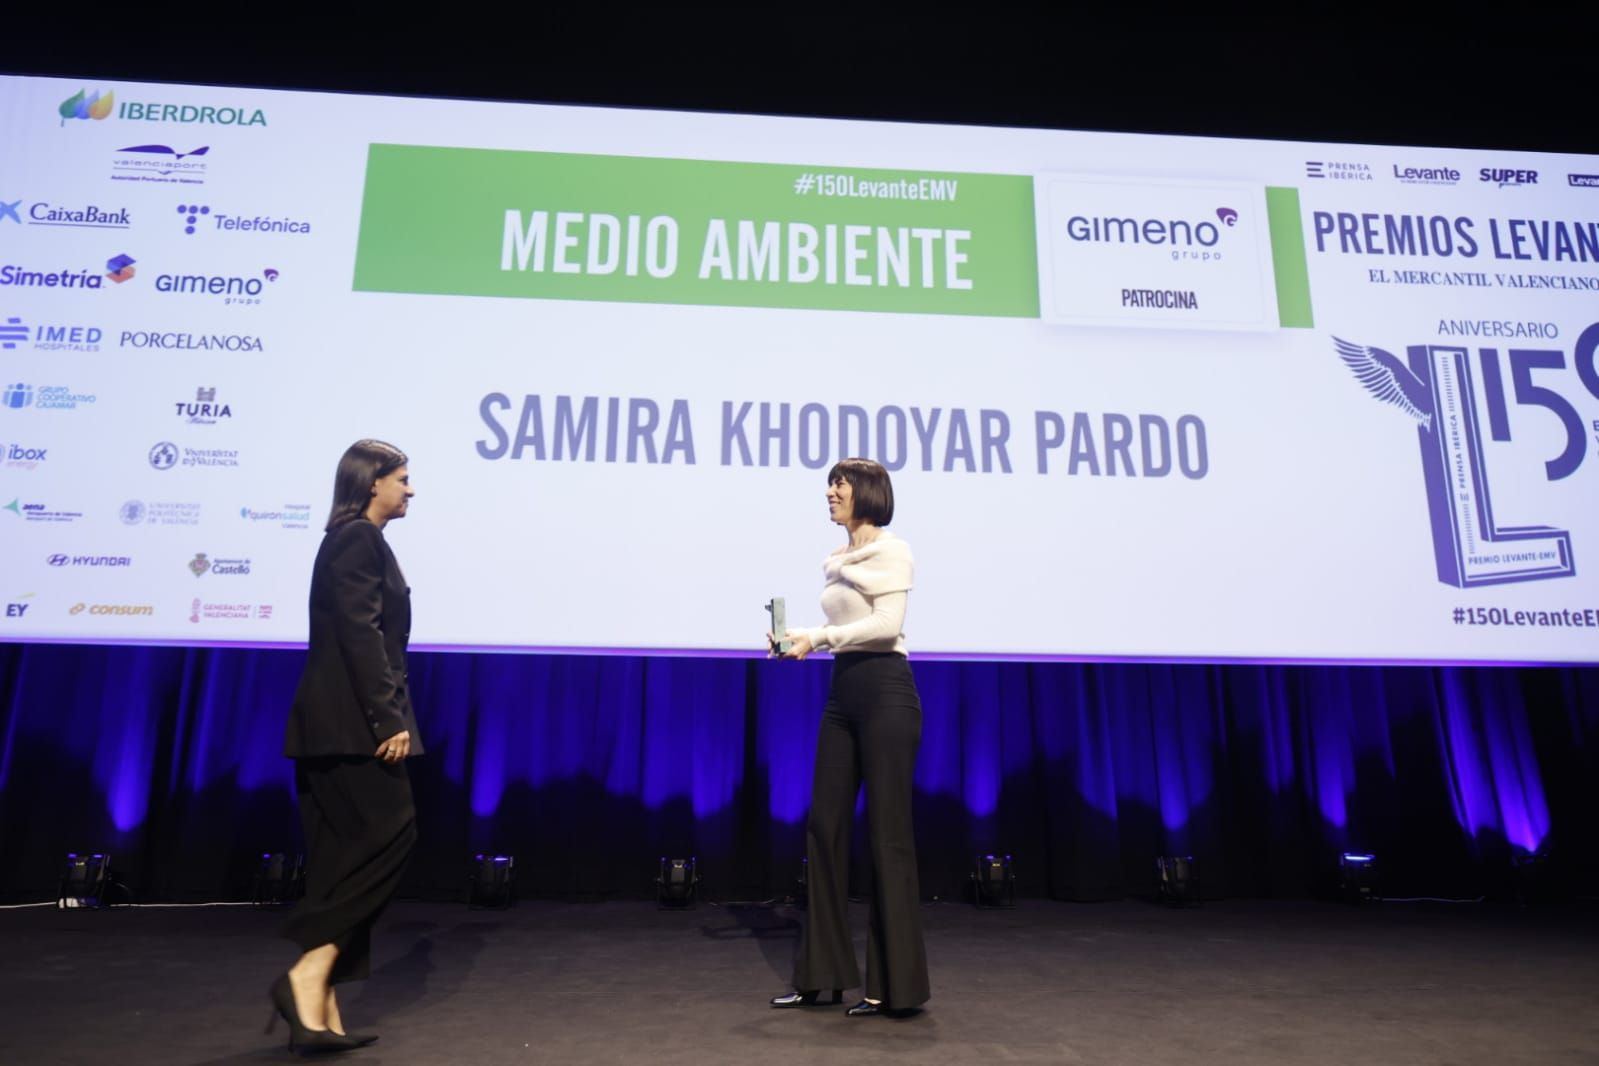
x=1449, y=392
x=1141, y=251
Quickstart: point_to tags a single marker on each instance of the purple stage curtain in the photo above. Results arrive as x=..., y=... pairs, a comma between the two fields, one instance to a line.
x=590, y=768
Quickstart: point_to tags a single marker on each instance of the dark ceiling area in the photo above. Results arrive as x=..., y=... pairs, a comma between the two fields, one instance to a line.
x=1471, y=82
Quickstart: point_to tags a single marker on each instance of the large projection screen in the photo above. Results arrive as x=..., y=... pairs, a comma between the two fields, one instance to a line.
x=1143, y=397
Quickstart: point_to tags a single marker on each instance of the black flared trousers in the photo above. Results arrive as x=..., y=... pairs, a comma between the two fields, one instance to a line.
x=360, y=827
x=871, y=728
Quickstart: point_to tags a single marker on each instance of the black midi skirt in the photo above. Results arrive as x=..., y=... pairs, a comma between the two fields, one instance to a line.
x=360, y=829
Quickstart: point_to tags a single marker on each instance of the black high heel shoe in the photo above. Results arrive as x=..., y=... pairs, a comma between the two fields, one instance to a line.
x=301, y=1038
x=808, y=999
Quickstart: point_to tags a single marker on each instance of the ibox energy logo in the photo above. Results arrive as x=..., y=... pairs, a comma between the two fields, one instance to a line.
x=1133, y=251
x=1450, y=392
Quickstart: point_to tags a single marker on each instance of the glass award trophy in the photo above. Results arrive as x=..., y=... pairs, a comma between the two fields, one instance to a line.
x=780, y=642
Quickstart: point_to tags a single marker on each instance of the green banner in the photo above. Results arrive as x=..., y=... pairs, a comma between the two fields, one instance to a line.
x=1288, y=258
x=479, y=222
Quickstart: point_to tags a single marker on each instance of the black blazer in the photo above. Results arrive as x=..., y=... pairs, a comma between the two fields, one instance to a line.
x=354, y=693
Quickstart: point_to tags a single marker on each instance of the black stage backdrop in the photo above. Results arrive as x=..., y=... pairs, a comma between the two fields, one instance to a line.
x=589, y=769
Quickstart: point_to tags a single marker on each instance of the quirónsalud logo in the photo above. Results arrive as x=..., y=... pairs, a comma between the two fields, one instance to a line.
x=1448, y=394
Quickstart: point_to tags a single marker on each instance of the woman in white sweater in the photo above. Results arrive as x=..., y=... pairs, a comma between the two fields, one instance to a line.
x=871, y=727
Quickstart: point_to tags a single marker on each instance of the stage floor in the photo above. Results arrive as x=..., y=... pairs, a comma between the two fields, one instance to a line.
x=1234, y=982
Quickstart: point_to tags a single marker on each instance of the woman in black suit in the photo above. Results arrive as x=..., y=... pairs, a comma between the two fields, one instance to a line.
x=350, y=730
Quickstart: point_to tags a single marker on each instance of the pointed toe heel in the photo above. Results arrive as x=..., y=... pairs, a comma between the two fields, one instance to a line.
x=808, y=999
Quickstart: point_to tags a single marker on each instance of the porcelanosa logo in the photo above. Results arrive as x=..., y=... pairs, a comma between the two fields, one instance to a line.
x=161, y=164
x=199, y=218
x=101, y=105
x=14, y=332
x=65, y=216
x=181, y=341
x=1437, y=388
x=234, y=291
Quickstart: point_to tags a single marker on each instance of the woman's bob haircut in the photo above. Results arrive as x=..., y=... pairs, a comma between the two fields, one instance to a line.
x=871, y=492
x=360, y=467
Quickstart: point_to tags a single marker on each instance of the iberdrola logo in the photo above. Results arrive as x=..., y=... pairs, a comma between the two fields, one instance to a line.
x=86, y=105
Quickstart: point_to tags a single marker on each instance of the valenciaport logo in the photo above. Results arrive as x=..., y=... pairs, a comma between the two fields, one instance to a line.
x=1337, y=170
x=184, y=341
x=1408, y=175
x=1503, y=176
x=200, y=218
x=100, y=105
x=142, y=609
x=201, y=565
x=161, y=164
x=15, y=333
x=1583, y=181
x=61, y=559
x=237, y=290
x=288, y=516
x=159, y=513
x=22, y=456
x=204, y=410
x=64, y=216
x=33, y=511
x=48, y=397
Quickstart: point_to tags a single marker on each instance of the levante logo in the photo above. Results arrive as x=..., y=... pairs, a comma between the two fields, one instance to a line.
x=1446, y=393
x=101, y=105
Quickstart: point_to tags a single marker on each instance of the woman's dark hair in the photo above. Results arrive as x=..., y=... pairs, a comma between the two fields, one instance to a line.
x=871, y=491
x=361, y=465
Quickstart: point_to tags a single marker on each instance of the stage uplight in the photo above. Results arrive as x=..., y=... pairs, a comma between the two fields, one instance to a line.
x=1532, y=878
x=1177, y=879
x=85, y=882
x=280, y=878
x=677, y=885
x=1358, y=879
x=493, y=883
x=993, y=881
